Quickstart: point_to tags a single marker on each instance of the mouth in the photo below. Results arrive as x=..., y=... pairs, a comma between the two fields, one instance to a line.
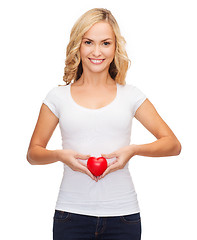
x=96, y=61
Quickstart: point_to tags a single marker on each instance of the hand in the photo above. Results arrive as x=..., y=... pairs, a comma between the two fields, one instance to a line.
x=123, y=155
x=70, y=158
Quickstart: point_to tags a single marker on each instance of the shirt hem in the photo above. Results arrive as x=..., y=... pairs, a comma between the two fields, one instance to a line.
x=114, y=214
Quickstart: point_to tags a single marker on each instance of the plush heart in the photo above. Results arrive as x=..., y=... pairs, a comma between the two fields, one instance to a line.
x=97, y=165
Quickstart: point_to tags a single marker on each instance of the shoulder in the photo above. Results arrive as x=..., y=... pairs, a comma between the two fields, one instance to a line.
x=130, y=89
x=57, y=90
x=133, y=94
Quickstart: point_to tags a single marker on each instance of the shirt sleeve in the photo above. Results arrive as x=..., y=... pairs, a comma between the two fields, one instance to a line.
x=137, y=98
x=51, y=100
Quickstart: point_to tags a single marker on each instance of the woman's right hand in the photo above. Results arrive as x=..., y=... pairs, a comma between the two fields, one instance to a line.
x=70, y=158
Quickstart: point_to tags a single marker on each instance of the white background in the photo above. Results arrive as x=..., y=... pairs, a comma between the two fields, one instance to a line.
x=161, y=43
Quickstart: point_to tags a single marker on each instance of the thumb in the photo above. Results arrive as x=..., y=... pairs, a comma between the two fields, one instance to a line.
x=110, y=155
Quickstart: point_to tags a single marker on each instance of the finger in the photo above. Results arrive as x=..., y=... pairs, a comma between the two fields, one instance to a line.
x=110, y=169
x=111, y=155
x=85, y=165
x=111, y=163
x=114, y=167
x=83, y=157
x=91, y=175
x=105, y=173
x=86, y=170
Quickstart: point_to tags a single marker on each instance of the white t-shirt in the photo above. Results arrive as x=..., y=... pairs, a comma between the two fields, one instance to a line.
x=96, y=131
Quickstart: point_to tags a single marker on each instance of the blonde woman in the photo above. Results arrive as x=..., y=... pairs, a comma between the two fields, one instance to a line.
x=94, y=111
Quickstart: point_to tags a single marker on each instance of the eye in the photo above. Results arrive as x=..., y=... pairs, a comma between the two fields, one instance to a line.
x=106, y=43
x=88, y=42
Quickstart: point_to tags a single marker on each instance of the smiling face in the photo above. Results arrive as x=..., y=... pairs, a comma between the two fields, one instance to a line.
x=97, y=49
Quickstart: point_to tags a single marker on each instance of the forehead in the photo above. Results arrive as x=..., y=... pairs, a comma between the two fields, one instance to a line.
x=101, y=30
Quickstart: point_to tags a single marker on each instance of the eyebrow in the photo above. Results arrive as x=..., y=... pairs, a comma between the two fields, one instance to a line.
x=101, y=41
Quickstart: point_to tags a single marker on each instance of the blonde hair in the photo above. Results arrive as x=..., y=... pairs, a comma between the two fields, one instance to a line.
x=73, y=66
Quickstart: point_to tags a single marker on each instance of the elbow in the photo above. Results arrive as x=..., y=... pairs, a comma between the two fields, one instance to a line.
x=177, y=148
x=29, y=159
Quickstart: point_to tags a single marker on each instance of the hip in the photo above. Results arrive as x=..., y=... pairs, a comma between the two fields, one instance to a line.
x=93, y=227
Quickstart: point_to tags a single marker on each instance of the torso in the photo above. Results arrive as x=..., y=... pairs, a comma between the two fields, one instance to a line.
x=93, y=98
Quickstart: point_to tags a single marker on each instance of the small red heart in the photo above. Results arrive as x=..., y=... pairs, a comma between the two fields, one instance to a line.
x=97, y=166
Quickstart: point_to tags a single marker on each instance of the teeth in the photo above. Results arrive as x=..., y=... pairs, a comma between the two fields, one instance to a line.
x=96, y=61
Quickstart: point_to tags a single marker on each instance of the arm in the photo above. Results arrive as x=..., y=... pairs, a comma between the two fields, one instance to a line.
x=37, y=153
x=166, y=144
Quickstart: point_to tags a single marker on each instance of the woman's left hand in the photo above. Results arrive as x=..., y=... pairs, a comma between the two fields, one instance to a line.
x=122, y=157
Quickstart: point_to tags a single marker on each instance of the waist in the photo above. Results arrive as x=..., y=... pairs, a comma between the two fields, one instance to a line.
x=115, y=185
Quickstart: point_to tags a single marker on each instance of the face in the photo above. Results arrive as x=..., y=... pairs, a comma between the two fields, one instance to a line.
x=97, y=49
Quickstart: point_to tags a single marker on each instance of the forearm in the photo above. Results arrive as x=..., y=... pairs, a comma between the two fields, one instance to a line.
x=38, y=155
x=165, y=146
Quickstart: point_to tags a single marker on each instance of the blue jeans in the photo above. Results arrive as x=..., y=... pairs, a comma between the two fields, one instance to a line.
x=72, y=226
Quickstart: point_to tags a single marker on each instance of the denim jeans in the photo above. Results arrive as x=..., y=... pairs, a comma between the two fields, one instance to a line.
x=72, y=226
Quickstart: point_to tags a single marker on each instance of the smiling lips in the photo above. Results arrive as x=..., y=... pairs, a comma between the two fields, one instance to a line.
x=96, y=61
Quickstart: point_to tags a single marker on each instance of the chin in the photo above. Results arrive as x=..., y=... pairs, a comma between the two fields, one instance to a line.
x=97, y=68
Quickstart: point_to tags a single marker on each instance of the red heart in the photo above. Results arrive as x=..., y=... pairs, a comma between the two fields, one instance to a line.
x=97, y=165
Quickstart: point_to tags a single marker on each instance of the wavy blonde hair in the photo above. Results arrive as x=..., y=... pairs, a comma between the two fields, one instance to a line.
x=73, y=66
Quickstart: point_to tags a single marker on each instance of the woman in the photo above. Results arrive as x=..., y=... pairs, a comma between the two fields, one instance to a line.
x=95, y=115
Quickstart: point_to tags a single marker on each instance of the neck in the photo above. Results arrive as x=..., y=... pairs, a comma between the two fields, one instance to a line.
x=95, y=79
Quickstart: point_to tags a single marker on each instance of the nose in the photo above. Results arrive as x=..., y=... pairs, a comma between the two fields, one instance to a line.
x=96, y=51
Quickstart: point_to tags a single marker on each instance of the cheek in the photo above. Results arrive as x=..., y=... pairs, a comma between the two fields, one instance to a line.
x=110, y=53
x=84, y=51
